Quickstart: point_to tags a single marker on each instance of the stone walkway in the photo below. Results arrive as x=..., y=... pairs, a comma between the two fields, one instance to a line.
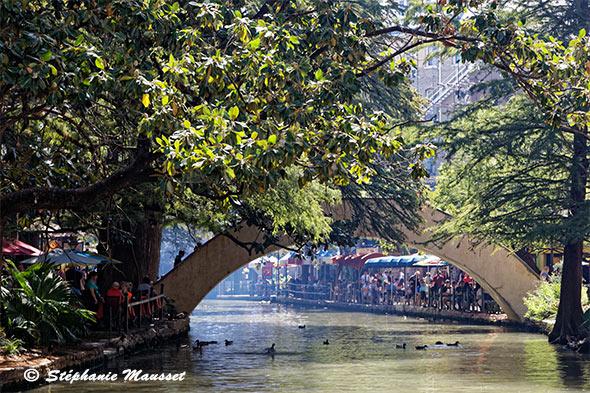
x=87, y=354
x=403, y=309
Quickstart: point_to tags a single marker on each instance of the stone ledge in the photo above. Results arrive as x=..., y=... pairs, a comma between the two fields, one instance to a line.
x=86, y=354
x=402, y=309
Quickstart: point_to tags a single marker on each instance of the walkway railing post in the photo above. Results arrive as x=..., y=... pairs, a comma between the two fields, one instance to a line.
x=139, y=322
x=126, y=304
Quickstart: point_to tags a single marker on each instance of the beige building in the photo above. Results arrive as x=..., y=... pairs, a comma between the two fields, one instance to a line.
x=445, y=82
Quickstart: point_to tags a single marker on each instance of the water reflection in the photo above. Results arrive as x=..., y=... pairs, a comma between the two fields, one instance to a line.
x=362, y=355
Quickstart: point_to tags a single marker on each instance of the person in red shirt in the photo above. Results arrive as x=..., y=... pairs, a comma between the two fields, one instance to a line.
x=439, y=279
x=114, y=291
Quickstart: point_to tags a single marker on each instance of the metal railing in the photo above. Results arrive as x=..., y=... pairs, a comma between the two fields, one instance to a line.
x=307, y=291
x=447, y=86
x=467, y=300
x=145, y=309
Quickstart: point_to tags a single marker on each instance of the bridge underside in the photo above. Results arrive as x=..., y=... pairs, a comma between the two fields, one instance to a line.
x=500, y=272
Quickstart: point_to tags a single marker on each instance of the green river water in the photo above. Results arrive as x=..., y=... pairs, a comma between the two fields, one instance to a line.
x=361, y=356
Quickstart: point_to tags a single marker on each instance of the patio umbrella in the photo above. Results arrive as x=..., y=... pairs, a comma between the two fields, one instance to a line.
x=59, y=256
x=16, y=247
x=100, y=258
x=431, y=261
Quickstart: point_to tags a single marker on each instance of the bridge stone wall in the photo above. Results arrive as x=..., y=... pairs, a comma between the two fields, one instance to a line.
x=499, y=271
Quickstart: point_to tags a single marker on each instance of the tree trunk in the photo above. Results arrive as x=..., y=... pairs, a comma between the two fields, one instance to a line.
x=569, y=314
x=140, y=257
x=2, y=316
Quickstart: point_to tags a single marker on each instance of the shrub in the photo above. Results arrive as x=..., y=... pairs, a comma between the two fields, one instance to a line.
x=542, y=303
x=41, y=308
x=10, y=346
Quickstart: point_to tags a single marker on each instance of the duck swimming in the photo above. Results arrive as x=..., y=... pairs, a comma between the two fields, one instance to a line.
x=301, y=326
x=227, y=343
x=421, y=347
x=439, y=343
x=200, y=344
x=401, y=346
x=270, y=350
x=326, y=342
x=456, y=344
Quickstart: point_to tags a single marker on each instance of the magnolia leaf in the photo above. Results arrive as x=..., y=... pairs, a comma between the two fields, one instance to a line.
x=319, y=75
x=99, y=63
x=254, y=44
x=234, y=112
x=46, y=56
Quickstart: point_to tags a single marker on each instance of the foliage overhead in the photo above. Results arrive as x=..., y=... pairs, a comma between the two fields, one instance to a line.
x=220, y=98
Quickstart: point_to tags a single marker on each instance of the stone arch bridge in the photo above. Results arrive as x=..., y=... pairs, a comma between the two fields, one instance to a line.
x=505, y=276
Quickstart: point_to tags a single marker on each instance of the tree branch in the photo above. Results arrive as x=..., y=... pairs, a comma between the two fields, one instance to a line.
x=139, y=171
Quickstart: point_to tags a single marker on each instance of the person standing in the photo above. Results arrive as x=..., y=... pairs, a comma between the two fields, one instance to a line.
x=178, y=258
x=545, y=274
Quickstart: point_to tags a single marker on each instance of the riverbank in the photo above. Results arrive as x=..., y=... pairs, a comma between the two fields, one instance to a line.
x=428, y=313
x=90, y=353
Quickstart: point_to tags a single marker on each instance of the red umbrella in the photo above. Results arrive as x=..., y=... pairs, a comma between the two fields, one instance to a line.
x=16, y=247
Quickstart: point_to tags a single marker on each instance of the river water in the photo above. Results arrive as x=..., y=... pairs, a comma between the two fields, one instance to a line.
x=361, y=355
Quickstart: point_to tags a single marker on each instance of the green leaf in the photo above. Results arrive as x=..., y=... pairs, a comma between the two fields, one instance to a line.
x=187, y=124
x=145, y=100
x=46, y=56
x=99, y=63
x=254, y=44
x=294, y=40
x=319, y=75
x=165, y=100
x=175, y=7
x=53, y=70
x=79, y=40
x=234, y=112
x=272, y=139
x=582, y=33
x=254, y=135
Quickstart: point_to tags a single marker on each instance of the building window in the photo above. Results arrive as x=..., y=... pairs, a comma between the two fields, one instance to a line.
x=432, y=61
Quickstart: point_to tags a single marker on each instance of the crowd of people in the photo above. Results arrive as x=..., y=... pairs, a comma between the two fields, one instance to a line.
x=107, y=302
x=449, y=289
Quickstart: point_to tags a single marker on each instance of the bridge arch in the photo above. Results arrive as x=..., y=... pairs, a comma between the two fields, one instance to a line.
x=498, y=270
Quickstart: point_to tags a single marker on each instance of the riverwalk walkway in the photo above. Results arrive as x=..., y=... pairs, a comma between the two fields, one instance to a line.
x=92, y=352
x=431, y=313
